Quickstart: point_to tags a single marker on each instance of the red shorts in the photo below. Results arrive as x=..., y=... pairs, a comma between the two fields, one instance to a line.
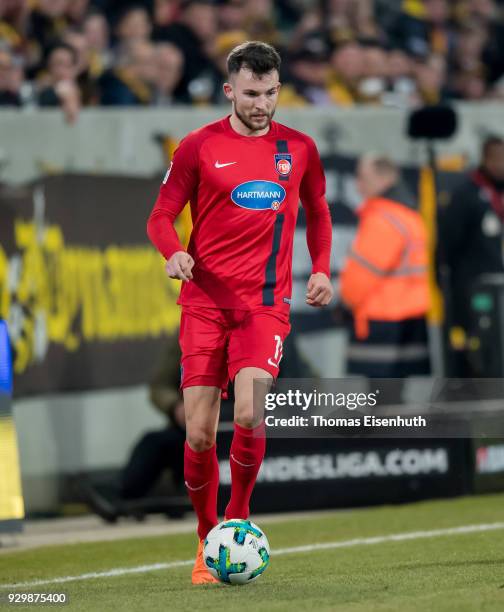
x=217, y=343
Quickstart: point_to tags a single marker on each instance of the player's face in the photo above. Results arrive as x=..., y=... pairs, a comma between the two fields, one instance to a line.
x=254, y=97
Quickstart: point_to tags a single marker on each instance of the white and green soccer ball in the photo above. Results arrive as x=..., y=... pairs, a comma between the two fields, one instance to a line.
x=236, y=551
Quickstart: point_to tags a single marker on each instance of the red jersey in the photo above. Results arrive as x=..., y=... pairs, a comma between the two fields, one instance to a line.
x=244, y=193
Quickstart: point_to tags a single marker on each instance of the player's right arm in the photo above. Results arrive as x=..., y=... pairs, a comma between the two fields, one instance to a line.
x=179, y=186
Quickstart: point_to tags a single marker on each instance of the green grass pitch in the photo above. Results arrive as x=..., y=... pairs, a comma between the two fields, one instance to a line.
x=462, y=572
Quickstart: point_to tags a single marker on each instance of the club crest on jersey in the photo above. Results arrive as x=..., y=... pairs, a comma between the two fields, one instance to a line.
x=283, y=163
x=258, y=195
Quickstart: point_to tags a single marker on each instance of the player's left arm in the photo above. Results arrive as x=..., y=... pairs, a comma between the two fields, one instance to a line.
x=318, y=229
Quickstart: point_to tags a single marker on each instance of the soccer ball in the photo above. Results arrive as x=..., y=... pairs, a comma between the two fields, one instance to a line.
x=236, y=551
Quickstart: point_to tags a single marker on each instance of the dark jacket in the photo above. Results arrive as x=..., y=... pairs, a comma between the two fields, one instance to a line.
x=116, y=89
x=469, y=243
x=9, y=98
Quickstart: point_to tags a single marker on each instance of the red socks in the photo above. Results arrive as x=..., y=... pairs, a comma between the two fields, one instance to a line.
x=245, y=457
x=201, y=474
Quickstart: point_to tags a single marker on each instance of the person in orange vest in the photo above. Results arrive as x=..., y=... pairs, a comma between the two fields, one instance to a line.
x=384, y=279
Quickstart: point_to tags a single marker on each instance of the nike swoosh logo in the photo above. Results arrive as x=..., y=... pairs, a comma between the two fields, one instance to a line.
x=195, y=488
x=217, y=165
x=246, y=465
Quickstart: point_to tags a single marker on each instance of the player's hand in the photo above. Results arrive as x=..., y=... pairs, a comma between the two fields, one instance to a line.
x=319, y=290
x=180, y=266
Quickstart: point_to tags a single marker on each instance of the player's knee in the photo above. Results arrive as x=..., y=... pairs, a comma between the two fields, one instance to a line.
x=245, y=416
x=247, y=422
x=200, y=440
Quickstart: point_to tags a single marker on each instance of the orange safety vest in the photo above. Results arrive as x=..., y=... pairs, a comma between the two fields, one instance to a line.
x=385, y=275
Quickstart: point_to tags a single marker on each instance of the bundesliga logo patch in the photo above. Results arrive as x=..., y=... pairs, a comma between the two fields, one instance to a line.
x=283, y=163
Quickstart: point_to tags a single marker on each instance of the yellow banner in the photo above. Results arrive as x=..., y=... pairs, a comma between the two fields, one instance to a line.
x=11, y=497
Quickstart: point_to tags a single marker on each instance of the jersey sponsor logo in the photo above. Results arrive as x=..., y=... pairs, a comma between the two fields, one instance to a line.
x=218, y=165
x=283, y=163
x=167, y=173
x=258, y=195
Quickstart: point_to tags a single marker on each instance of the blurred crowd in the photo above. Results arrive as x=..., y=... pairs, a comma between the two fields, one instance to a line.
x=75, y=53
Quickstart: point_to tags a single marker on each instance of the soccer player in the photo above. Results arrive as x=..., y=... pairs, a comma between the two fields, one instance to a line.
x=244, y=176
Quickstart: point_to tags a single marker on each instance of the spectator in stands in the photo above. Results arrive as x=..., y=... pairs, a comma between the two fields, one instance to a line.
x=169, y=70
x=13, y=16
x=424, y=28
x=231, y=15
x=467, y=34
x=133, y=25
x=264, y=30
x=469, y=85
x=401, y=85
x=347, y=62
x=261, y=22
x=76, y=11
x=60, y=86
x=430, y=75
x=384, y=280
x=10, y=83
x=165, y=12
x=113, y=9
x=309, y=21
x=46, y=25
x=86, y=80
x=488, y=16
x=467, y=72
x=130, y=83
x=347, y=20
x=193, y=33
x=373, y=83
x=470, y=230
x=308, y=75
x=97, y=33
x=469, y=46
x=260, y=9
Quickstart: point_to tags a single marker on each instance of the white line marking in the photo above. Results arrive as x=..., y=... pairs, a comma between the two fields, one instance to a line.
x=394, y=537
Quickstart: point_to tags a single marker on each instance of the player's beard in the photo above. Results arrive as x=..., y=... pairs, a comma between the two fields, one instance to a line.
x=255, y=127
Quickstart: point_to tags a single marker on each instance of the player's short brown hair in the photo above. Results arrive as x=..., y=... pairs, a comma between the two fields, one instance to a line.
x=254, y=55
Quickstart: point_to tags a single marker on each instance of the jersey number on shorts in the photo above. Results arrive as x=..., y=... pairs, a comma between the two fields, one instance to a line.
x=275, y=361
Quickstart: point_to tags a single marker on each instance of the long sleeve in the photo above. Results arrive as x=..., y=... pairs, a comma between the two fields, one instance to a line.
x=179, y=186
x=318, y=217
